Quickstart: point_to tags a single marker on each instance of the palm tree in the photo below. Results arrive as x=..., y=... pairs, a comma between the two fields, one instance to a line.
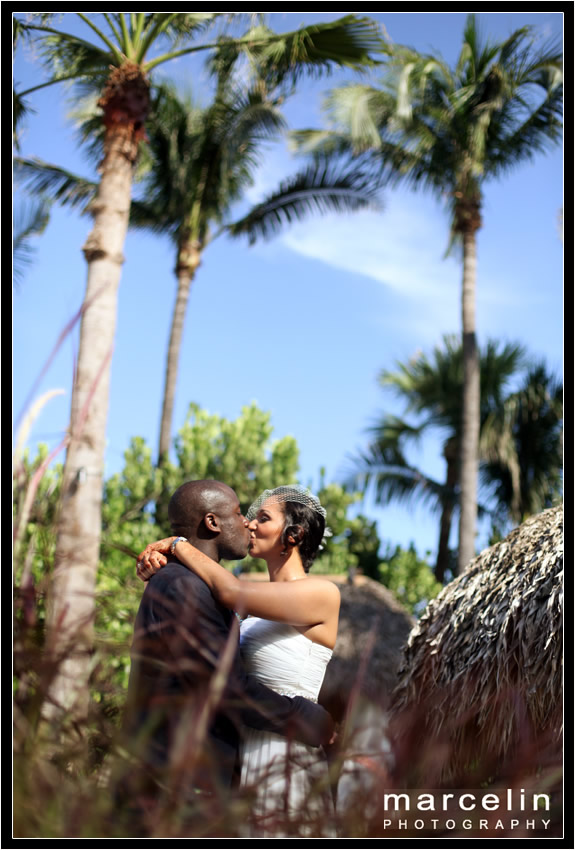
x=203, y=160
x=431, y=390
x=200, y=161
x=117, y=58
x=521, y=449
x=450, y=130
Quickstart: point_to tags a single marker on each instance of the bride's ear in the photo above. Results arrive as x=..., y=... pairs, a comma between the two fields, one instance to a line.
x=294, y=535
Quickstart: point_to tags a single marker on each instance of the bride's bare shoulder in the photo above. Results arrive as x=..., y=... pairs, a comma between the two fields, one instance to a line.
x=326, y=586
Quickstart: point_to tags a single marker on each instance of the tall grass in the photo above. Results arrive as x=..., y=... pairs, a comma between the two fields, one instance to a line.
x=67, y=775
x=71, y=774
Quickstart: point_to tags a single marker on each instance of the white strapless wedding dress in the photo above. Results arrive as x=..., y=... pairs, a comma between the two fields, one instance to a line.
x=289, y=779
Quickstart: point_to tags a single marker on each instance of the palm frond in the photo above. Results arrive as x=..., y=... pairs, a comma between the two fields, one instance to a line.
x=347, y=42
x=146, y=216
x=445, y=131
x=177, y=26
x=30, y=220
x=281, y=59
x=201, y=158
x=22, y=29
x=181, y=26
x=470, y=39
x=393, y=482
x=20, y=110
x=363, y=110
x=541, y=129
x=497, y=448
x=67, y=55
x=249, y=116
x=57, y=183
x=321, y=143
x=390, y=436
x=522, y=446
x=321, y=187
x=499, y=363
x=521, y=431
x=186, y=147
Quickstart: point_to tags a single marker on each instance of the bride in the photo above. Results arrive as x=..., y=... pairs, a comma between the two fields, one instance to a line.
x=287, y=635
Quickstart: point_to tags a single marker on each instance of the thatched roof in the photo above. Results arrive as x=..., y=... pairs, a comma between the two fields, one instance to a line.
x=485, y=659
x=373, y=628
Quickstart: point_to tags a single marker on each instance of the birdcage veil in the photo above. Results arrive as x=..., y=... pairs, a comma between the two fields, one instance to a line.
x=291, y=493
x=287, y=493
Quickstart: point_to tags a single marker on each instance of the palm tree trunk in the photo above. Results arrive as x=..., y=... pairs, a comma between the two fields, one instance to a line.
x=471, y=401
x=188, y=261
x=443, y=561
x=71, y=601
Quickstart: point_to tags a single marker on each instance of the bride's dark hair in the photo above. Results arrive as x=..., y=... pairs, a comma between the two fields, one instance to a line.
x=306, y=527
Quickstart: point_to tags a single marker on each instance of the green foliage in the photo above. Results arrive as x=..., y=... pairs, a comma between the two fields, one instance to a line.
x=34, y=550
x=364, y=545
x=409, y=577
x=244, y=454
x=240, y=452
x=128, y=524
x=354, y=544
x=336, y=556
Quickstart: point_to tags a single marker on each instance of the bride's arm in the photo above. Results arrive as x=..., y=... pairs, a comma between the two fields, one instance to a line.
x=300, y=603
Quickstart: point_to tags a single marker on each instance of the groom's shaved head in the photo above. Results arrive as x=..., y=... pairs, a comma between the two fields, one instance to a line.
x=193, y=500
x=208, y=514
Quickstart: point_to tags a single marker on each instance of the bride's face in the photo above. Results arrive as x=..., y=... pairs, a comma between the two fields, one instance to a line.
x=266, y=531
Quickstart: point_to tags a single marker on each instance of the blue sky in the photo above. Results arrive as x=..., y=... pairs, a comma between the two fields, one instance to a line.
x=322, y=308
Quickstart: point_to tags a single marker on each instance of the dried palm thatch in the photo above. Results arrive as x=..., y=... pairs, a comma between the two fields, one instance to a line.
x=482, y=669
x=373, y=628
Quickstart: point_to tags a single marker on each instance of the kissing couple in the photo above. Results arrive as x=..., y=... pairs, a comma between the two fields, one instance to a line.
x=226, y=673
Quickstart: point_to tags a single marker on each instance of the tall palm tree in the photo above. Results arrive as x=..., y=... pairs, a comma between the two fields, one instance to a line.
x=450, y=130
x=117, y=57
x=202, y=161
x=431, y=390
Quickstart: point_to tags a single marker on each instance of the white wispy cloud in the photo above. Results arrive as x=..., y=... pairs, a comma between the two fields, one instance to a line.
x=380, y=246
x=403, y=249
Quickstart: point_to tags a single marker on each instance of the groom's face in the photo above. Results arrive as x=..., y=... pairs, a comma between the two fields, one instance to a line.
x=234, y=535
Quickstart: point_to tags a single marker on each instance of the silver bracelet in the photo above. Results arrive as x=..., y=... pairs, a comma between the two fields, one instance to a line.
x=175, y=543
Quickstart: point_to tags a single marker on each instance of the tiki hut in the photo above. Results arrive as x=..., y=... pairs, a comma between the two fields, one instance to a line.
x=373, y=628
x=481, y=677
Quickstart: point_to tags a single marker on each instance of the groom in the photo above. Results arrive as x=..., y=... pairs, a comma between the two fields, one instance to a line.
x=186, y=669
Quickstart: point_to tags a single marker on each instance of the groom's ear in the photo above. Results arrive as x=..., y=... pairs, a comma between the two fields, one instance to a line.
x=212, y=523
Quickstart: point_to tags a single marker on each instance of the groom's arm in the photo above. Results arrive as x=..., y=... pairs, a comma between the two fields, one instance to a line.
x=257, y=705
x=264, y=709
x=252, y=702
x=207, y=629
